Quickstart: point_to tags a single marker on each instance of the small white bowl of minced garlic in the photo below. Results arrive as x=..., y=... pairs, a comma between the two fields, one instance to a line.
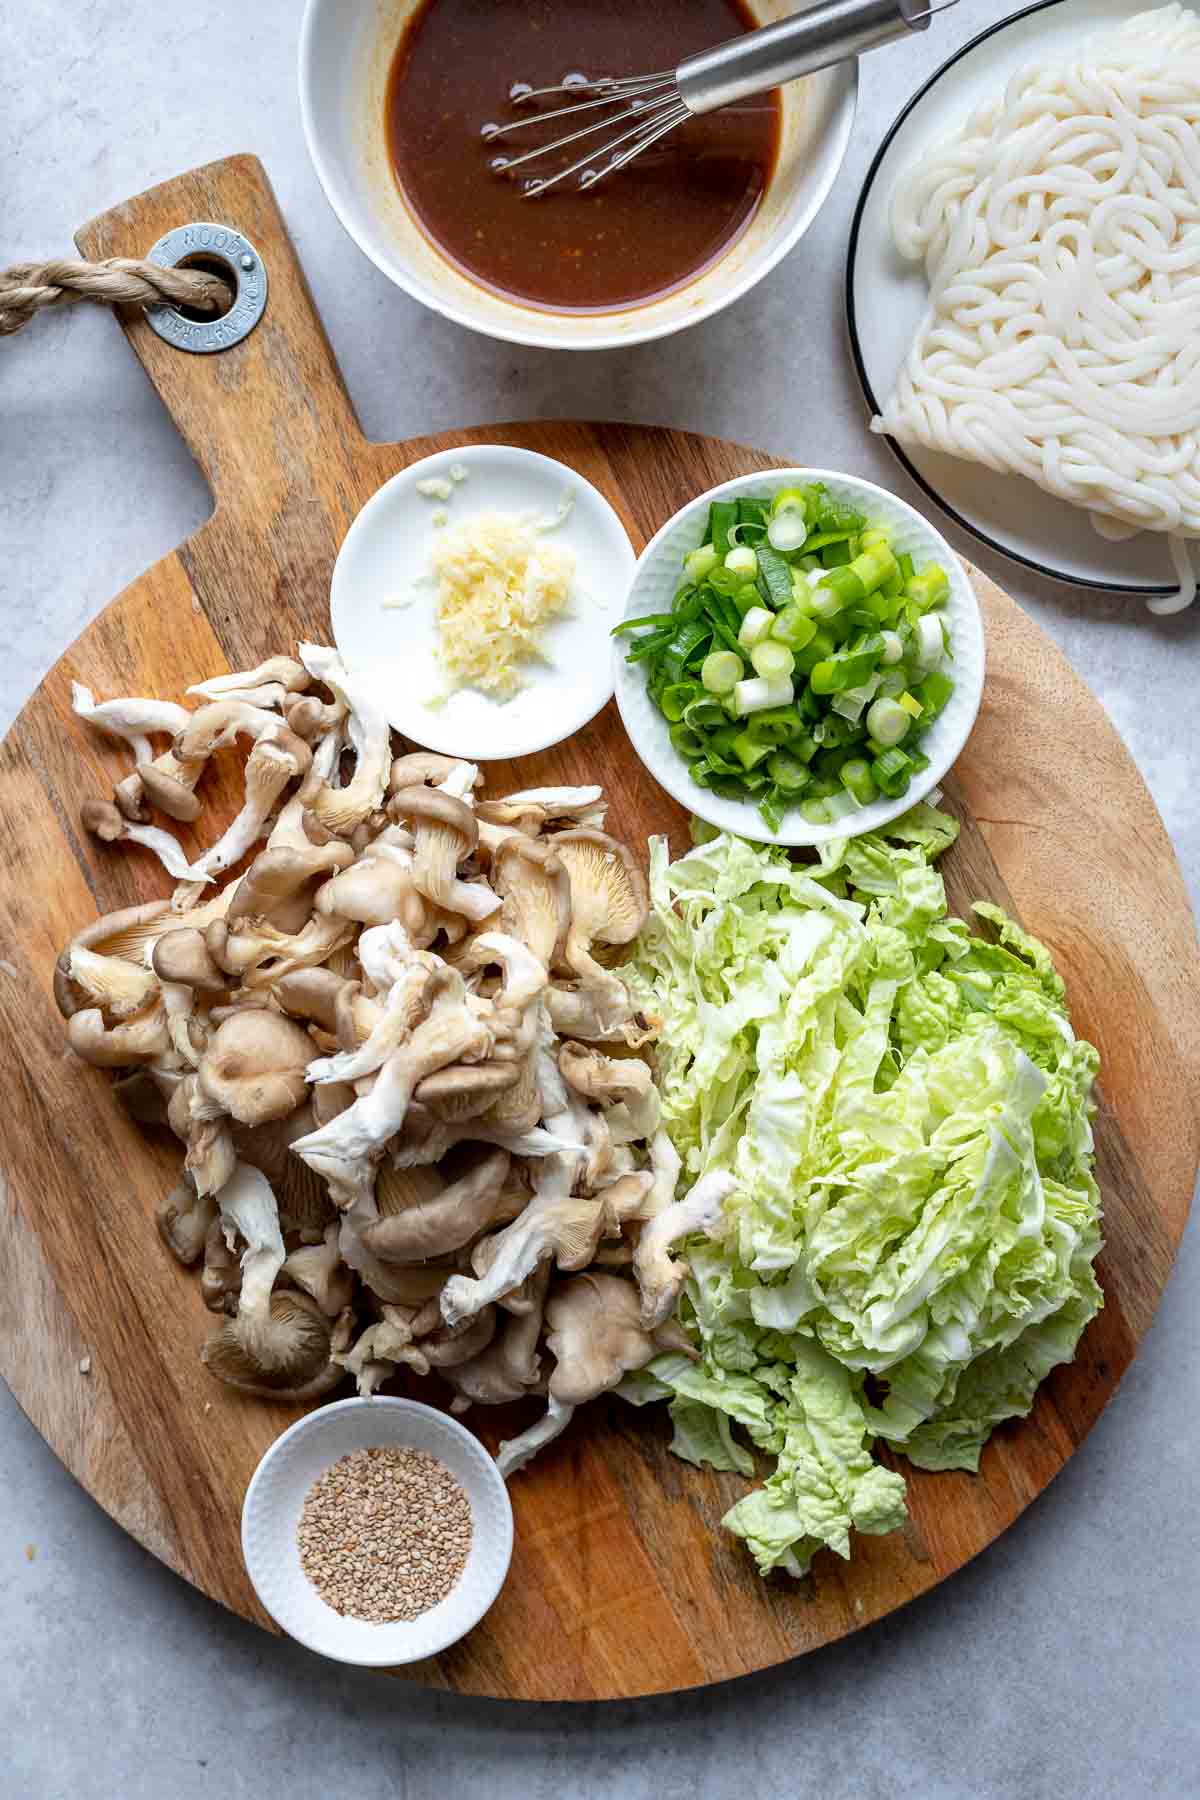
x=474, y=596
x=377, y=1531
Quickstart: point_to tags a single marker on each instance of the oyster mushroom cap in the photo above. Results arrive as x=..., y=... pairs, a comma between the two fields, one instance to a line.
x=606, y=1080
x=273, y=887
x=122, y=989
x=183, y=1219
x=437, y=1226
x=129, y=933
x=182, y=956
x=168, y=790
x=139, y=1040
x=286, y=1356
x=376, y=890
x=324, y=999
x=424, y=768
x=535, y=892
x=445, y=832
x=609, y=897
x=254, y=1065
x=465, y=1090
x=596, y=1335
x=582, y=805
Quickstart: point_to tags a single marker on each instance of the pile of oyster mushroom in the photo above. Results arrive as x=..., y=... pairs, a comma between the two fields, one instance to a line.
x=418, y=1135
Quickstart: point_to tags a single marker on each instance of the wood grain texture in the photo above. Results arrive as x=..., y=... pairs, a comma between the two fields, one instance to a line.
x=622, y=1582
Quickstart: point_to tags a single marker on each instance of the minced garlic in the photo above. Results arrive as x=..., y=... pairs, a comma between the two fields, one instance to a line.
x=499, y=584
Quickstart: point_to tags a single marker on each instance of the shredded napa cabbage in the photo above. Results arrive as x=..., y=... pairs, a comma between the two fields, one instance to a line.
x=909, y=1248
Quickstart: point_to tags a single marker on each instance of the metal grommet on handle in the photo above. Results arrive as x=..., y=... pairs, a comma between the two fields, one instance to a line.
x=224, y=251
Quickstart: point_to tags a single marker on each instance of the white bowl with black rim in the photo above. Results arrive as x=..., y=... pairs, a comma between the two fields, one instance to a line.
x=659, y=575
x=271, y=1517
x=886, y=300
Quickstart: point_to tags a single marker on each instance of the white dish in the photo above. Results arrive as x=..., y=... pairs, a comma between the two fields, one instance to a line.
x=886, y=299
x=659, y=573
x=346, y=47
x=271, y=1513
x=385, y=559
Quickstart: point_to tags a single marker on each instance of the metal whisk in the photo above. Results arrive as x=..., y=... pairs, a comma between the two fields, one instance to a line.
x=650, y=106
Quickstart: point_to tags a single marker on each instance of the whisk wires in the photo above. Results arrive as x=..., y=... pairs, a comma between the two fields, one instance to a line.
x=649, y=105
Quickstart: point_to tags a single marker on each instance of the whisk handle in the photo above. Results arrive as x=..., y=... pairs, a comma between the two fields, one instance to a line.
x=828, y=32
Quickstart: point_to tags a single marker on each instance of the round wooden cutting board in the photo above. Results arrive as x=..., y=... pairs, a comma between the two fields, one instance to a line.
x=622, y=1582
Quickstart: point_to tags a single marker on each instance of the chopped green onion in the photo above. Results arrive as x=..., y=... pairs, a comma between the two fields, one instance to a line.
x=787, y=532
x=888, y=722
x=655, y=619
x=755, y=627
x=929, y=587
x=774, y=577
x=788, y=772
x=930, y=641
x=892, y=770
x=850, y=702
x=825, y=602
x=721, y=671
x=748, y=750
x=933, y=693
x=856, y=777
x=704, y=713
x=793, y=627
x=840, y=806
x=676, y=698
x=760, y=693
x=742, y=561
x=836, y=627
x=771, y=658
x=722, y=517
x=687, y=742
x=699, y=563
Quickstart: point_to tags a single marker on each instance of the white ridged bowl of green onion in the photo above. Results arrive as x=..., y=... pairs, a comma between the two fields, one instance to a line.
x=801, y=656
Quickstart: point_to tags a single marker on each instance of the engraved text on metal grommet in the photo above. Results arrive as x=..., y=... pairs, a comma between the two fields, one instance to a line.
x=242, y=268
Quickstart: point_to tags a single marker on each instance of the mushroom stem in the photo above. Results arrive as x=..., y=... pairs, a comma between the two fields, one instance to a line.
x=105, y=822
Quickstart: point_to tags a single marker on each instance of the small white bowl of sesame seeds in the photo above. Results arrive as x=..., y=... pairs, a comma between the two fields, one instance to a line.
x=377, y=1531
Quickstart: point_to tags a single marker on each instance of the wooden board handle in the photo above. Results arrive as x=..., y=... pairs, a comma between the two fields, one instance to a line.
x=261, y=416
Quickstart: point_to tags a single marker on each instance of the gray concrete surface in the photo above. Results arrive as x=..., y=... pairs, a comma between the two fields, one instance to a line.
x=1065, y=1662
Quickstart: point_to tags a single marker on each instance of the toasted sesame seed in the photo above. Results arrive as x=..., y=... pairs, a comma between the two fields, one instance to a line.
x=384, y=1534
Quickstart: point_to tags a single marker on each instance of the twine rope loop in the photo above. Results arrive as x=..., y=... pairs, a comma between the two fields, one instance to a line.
x=29, y=288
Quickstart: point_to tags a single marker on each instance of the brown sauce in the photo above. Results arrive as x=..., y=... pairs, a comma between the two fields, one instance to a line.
x=634, y=236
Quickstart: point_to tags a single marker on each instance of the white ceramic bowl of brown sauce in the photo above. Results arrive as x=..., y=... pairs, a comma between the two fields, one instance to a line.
x=394, y=94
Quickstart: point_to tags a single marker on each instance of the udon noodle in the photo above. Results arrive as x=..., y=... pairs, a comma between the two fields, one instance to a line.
x=1060, y=234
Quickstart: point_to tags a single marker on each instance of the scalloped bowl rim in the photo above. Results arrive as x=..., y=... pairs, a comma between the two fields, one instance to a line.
x=660, y=565
x=270, y=1512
